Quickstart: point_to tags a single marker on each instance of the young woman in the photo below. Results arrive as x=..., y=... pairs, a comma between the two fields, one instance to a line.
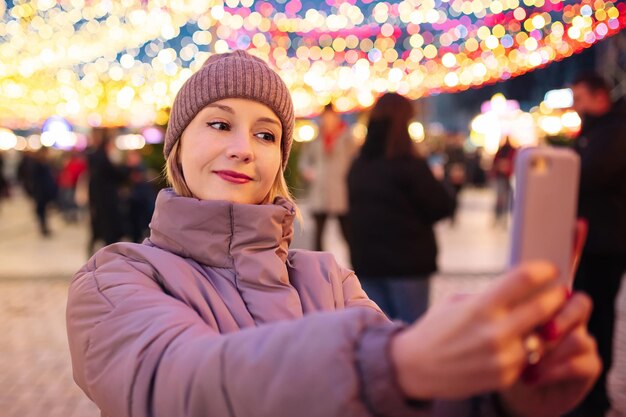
x=213, y=315
x=394, y=203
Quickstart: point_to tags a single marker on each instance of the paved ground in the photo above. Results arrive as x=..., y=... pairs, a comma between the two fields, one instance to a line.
x=35, y=376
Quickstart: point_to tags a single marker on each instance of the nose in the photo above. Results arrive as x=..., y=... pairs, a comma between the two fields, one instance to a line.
x=240, y=148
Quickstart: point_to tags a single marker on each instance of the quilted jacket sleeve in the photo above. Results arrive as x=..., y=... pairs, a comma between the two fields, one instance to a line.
x=354, y=295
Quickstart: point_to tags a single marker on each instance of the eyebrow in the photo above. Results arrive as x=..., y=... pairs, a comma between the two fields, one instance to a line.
x=267, y=119
x=230, y=110
x=222, y=107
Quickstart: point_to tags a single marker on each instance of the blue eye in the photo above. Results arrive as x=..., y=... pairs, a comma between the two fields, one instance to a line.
x=219, y=125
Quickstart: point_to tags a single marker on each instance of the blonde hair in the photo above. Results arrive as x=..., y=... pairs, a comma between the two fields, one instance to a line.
x=175, y=177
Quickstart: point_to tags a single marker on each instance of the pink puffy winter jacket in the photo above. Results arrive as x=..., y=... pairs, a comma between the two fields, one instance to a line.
x=214, y=316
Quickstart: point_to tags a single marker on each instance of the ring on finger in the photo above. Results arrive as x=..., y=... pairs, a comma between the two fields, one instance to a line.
x=532, y=345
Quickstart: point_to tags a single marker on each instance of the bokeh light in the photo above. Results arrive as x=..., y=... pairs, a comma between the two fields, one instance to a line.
x=122, y=62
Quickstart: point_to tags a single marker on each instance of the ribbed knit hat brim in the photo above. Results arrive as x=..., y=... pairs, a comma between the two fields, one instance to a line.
x=231, y=75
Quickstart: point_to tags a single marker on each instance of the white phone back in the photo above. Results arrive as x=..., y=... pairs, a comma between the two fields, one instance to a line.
x=544, y=207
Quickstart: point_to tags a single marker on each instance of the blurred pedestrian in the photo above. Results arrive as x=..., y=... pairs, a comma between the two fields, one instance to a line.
x=455, y=170
x=324, y=164
x=141, y=198
x=475, y=172
x=502, y=169
x=214, y=316
x=73, y=167
x=4, y=183
x=394, y=202
x=601, y=145
x=436, y=160
x=44, y=188
x=25, y=172
x=105, y=178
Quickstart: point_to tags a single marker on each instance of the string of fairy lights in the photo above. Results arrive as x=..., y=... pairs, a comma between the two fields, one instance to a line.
x=121, y=62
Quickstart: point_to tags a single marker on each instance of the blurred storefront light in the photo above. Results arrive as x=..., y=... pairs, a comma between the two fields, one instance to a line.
x=305, y=131
x=34, y=142
x=552, y=125
x=559, y=99
x=56, y=131
x=8, y=140
x=571, y=120
x=152, y=135
x=480, y=124
x=130, y=142
x=21, y=144
x=64, y=140
x=499, y=104
x=499, y=118
x=47, y=139
x=554, y=116
x=416, y=130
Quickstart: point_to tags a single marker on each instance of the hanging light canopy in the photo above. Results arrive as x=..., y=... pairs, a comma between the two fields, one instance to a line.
x=122, y=62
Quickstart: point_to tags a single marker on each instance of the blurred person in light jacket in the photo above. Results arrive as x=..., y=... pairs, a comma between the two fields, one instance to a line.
x=324, y=164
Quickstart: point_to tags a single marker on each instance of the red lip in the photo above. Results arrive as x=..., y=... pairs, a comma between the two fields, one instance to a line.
x=234, y=177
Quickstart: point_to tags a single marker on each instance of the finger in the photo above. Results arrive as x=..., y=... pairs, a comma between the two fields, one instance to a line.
x=580, y=237
x=536, y=311
x=575, y=312
x=520, y=283
x=575, y=343
x=581, y=367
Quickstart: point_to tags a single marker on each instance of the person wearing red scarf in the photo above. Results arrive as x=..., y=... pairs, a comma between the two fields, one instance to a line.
x=324, y=164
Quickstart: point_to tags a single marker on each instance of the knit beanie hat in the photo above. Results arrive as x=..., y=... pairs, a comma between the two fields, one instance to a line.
x=231, y=75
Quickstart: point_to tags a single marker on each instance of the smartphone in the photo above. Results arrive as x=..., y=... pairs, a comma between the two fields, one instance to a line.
x=544, y=207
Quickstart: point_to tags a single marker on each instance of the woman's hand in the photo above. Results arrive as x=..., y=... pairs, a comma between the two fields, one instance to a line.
x=567, y=371
x=476, y=344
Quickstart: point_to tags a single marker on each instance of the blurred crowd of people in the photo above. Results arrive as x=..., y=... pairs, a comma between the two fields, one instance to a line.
x=387, y=195
x=113, y=190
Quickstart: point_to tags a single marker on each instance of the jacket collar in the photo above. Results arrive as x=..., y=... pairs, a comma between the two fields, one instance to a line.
x=216, y=233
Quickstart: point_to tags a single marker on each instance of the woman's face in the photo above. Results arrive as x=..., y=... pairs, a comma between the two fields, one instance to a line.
x=231, y=151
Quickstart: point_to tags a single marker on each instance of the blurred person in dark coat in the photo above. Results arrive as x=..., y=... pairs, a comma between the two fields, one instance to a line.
x=601, y=145
x=4, y=183
x=394, y=202
x=105, y=178
x=25, y=172
x=44, y=188
x=502, y=169
x=475, y=172
x=455, y=170
x=141, y=198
